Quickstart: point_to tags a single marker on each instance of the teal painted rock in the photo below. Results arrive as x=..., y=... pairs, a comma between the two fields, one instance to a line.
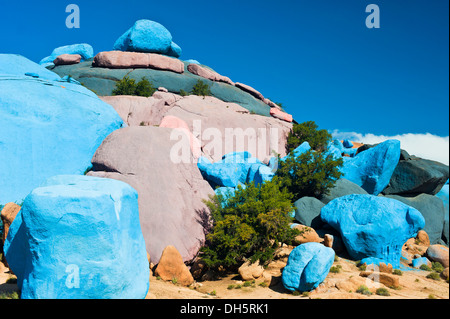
x=79, y=237
x=307, y=267
x=103, y=81
x=444, y=196
x=372, y=226
x=47, y=127
x=145, y=36
x=372, y=169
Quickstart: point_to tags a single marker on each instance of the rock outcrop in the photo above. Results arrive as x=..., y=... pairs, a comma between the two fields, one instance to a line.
x=83, y=49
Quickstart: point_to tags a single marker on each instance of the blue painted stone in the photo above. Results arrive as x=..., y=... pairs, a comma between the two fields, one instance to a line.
x=79, y=237
x=225, y=193
x=192, y=61
x=373, y=168
x=85, y=50
x=301, y=149
x=259, y=173
x=145, y=36
x=416, y=263
x=372, y=226
x=47, y=127
x=347, y=144
x=307, y=267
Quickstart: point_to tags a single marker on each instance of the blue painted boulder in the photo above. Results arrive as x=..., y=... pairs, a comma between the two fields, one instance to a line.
x=372, y=169
x=85, y=50
x=301, y=149
x=146, y=36
x=47, y=127
x=234, y=169
x=373, y=226
x=307, y=267
x=79, y=237
x=347, y=144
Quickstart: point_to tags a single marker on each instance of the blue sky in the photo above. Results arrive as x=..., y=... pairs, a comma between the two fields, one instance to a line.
x=317, y=57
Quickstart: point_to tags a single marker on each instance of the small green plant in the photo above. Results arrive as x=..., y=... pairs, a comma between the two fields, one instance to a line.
x=437, y=266
x=308, y=132
x=430, y=296
x=417, y=280
x=238, y=287
x=247, y=284
x=230, y=287
x=363, y=290
x=382, y=292
x=201, y=89
x=362, y=267
x=128, y=86
x=336, y=269
x=296, y=293
x=9, y=295
x=158, y=277
x=183, y=92
x=425, y=267
x=434, y=276
x=213, y=293
x=263, y=284
x=305, y=294
x=397, y=272
x=310, y=174
x=174, y=280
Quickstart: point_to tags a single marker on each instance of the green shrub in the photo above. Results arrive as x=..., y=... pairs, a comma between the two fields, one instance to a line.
x=425, y=267
x=9, y=295
x=249, y=225
x=310, y=174
x=336, y=269
x=308, y=132
x=128, y=86
x=183, y=93
x=363, y=290
x=437, y=266
x=397, y=272
x=434, y=276
x=382, y=292
x=201, y=89
x=144, y=88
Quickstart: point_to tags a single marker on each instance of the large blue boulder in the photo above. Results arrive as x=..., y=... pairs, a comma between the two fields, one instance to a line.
x=373, y=226
x=85, y=50
x=234, y=169
x=146, y=36
x=79, y=237
x=47, y=127
x=372, y=169
x=307, y=267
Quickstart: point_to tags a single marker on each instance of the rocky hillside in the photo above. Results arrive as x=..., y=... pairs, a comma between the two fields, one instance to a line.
x=103, y=189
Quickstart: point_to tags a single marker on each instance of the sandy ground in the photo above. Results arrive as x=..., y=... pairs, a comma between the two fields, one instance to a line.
x=413, y=285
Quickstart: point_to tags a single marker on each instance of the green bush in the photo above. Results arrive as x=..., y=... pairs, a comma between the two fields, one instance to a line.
x=128, y=86
x=249, y=225
x=308, y=132
x=201, y=89
x=434, y=276
x=363, y=290
x=183, y=93
x=437, y=266
x=397, y=272
x=310, y=174
x=425, y=267
x=382, y=292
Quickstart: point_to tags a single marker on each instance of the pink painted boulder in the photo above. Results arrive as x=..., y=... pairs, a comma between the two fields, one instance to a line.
x=67, y=59
x=208, y=74
x=171, y=210
x=281, y=115
x=132, y=60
